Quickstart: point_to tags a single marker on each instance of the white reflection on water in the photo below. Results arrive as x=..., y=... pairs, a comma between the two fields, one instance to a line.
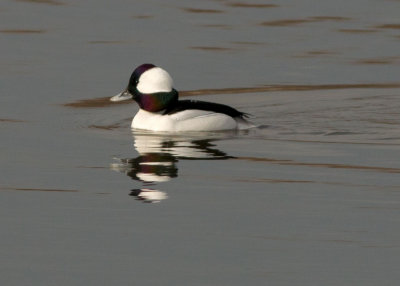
x=149, y=195
x=158, y=156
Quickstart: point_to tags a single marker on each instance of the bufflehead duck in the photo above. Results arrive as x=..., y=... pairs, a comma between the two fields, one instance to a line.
x=160, y=110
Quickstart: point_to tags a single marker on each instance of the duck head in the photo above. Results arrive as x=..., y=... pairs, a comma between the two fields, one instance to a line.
x=151, y=87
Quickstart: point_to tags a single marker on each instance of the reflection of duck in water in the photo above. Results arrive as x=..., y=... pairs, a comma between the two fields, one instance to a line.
x=160, y=110
x=149, y=168
x=158, y=157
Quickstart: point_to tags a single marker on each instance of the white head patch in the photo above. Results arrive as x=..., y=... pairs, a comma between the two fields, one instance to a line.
x=155, y=80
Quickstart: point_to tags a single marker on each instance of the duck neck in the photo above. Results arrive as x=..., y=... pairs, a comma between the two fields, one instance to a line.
x=157, y=101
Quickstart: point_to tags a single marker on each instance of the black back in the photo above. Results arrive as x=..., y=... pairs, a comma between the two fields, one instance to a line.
x=182, y=105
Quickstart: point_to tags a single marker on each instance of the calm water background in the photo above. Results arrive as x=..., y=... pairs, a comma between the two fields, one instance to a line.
x=309, y=198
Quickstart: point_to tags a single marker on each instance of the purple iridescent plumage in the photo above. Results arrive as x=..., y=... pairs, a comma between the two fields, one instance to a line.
x=155, y=102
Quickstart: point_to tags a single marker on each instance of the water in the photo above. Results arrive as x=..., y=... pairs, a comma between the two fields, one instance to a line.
x=311, y=197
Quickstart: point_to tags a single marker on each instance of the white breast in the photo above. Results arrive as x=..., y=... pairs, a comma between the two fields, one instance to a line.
x=188, y=120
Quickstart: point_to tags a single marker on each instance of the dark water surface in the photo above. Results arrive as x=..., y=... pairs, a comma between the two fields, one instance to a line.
x=311, y=197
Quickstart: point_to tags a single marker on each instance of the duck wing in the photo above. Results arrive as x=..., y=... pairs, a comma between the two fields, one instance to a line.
x=182, y=105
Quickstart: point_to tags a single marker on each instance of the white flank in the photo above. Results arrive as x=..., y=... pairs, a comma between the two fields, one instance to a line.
x=188, y=120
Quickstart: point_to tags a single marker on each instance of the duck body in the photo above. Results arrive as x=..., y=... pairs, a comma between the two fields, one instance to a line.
x=187, y=120
x=160, y=109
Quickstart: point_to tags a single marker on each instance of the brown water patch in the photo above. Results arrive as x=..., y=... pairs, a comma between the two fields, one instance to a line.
x=378, y=61
x=284, y=23
x=381, y=121
x=49, y=2
x=11, y=120
x=272, y=88
x=105, y=101
x=330, y=18
x=247, y=43
x=217, y=49
x=315, y=54
x=295, y=22
x=38, y=190
x=221, y=26
x=21, y=31
x=106, y=42
x=320, y=52
x=105, y=127
x=388, y=26
x=357, y=31
x=251, y=5
x=321, y=165
x=194, y=10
